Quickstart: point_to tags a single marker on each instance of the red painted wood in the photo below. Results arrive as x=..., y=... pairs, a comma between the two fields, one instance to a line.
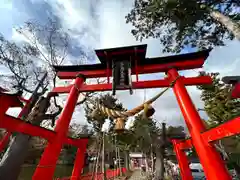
x=10, y=101
x=7, y=101
x=229, y=128
x=190, y=64
x=74, y=142
x=213, y=165
x=47, y=164
x=187, y=144
x=182, y=161
x=110, y=174
x=79, y=161
x=137, y=85
x=4, y=141
x=17, y=125
x=236, y=91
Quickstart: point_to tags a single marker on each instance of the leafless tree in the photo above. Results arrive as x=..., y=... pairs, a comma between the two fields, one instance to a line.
x=22, y=73
x=45, y=46
x=49, y=42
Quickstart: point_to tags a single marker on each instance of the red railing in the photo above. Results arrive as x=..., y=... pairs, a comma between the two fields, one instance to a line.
x=110, y=173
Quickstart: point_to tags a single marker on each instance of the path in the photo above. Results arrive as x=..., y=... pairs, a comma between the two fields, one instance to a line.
x=137, y=176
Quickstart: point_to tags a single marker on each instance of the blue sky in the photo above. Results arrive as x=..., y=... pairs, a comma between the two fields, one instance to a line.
x=94, y=24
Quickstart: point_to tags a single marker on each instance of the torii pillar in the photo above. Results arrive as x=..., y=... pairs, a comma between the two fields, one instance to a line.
x=46, y=167
x=212, y=163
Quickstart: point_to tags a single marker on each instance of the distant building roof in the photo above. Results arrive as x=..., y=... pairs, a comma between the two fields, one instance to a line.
x=136, y=155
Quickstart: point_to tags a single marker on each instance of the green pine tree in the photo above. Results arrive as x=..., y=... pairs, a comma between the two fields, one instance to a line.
x=185, y=23
x=221, y=108
x=217, y=101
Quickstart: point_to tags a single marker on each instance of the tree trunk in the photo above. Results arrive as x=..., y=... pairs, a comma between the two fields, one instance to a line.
x=160, y=155
x=146, y=162
x=10, y=165
x=233, y=27
x=152, y=160
x=126, y=159
x=103, y=156
x=159, y=165
x=110, y=159
x=119, y=161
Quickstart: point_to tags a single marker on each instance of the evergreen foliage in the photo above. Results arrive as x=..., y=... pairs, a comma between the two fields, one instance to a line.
x=184, y=23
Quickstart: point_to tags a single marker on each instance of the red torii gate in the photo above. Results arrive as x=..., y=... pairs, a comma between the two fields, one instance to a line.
x=230, y=128
x=13, y=124
x=210, y=159
x=227, y=129
x=213, y=165
x=10, y=100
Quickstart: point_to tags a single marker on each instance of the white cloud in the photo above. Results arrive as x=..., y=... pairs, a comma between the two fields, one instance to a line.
x=17, y=37
x=13, y=111
x=225, y=60
x=101, y=24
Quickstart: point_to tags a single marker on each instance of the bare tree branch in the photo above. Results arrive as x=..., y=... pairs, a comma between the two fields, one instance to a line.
x=20, y=65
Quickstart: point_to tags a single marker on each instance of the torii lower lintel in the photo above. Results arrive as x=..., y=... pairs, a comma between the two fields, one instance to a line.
x=188, y=81
x=17, y=125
